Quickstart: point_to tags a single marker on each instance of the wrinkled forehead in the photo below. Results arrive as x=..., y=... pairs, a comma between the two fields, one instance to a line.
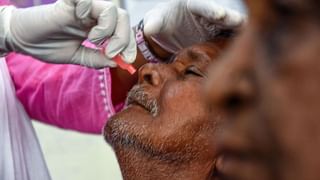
x=201, y=54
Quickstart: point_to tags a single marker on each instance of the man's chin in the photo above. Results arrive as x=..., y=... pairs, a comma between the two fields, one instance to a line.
x=110, y=127
x=122, y=127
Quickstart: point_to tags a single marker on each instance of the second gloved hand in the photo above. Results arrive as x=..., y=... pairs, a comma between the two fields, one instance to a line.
x=180, y=23
x=55, y=32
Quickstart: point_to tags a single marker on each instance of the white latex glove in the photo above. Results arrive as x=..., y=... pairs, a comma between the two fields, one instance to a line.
x=55, y=32
x=181, y=23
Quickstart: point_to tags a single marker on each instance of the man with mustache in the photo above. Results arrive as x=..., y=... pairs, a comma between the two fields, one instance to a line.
x=165, y=131
x=268, y=89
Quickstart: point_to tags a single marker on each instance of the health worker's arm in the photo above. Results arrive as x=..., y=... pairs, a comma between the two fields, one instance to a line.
x=55, y=32
x=70, y=96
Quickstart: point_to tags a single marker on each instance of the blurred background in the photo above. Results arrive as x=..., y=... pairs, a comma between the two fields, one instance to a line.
x=74, y=156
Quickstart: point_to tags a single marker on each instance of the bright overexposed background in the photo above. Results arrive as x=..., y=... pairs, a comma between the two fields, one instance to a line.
x=74, y=156
x=138, y=8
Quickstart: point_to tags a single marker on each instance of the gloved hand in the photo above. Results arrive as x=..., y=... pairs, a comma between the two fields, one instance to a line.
x=180, y=23
x=55, y=32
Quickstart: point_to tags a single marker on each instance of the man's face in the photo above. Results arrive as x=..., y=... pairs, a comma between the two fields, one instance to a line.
x=268, y=89
x=166, y=115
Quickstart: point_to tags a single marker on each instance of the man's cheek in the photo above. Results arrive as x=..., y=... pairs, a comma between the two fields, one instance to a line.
x=181, y=90
x=180, y=98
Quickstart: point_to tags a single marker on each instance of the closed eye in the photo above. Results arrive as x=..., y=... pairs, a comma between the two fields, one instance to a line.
x=193, y=71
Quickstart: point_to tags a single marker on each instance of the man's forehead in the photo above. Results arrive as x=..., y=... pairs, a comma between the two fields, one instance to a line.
x=203, y=53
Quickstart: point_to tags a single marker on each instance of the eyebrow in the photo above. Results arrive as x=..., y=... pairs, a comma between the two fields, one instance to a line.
x=193, y=55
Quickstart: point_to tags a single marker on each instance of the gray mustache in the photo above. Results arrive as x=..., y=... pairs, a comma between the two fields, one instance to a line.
x=139, y=96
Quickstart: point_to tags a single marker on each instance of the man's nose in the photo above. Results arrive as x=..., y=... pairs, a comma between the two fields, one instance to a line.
x=149, y=74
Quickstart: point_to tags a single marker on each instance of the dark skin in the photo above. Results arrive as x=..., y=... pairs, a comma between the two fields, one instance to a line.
x=268, y=88
x=165, y=132
x=124, y=80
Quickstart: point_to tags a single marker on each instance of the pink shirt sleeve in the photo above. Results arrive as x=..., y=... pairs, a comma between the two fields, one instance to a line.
x=4, y=2
x=67, y=96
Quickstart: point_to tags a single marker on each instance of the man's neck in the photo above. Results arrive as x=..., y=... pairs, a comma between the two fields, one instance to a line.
x=137, y=165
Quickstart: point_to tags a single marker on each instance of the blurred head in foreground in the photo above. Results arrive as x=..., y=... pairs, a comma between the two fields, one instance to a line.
x=267, y=87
